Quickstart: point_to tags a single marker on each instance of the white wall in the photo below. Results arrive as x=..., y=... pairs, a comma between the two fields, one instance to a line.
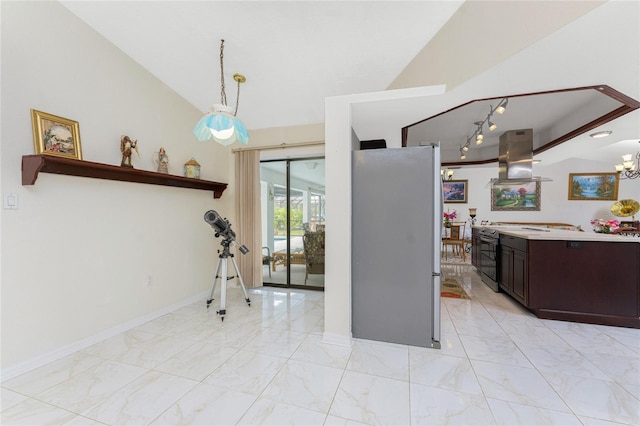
x=78, y=254
x=337, y=283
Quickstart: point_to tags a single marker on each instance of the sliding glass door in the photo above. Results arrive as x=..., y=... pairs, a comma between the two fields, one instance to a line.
x=293, y=203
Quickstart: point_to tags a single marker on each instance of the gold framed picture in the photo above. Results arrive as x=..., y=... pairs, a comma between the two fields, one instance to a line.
x=594, y=186
x=455, y=191
x=53, y=135
x=516, y=197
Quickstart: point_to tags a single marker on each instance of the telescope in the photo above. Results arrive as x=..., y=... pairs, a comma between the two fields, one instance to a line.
x=223, y=229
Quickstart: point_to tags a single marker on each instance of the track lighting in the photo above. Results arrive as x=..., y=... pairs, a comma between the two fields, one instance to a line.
x=478, y=135
x=502, y=106
x=462, y=152
x=492, y=126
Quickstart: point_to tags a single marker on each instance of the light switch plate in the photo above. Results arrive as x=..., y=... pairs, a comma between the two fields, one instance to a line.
x=11, y=201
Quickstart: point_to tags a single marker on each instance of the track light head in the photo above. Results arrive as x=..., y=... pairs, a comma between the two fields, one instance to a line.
x=462, y=154
x=479, y=135
x=492, y=126
x=502, y=106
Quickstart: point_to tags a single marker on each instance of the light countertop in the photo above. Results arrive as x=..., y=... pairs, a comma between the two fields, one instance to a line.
x=539, y=233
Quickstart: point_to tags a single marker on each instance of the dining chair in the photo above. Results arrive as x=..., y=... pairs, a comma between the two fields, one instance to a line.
x=455, y=239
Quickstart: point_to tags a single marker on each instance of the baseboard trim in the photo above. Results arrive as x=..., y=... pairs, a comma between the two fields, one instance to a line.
x=39, y=361
x=336, y=339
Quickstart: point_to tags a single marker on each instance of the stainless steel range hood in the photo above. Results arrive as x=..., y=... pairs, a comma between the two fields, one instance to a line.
x=515, y=158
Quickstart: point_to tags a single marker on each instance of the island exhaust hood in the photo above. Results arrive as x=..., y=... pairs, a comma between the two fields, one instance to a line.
x=515, y=158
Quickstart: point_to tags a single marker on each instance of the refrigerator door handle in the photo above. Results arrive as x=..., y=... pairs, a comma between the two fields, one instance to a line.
x=438, y=207
x=435, y=339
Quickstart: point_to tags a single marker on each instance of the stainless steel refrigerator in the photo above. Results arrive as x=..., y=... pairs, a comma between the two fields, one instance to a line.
x=396, y=242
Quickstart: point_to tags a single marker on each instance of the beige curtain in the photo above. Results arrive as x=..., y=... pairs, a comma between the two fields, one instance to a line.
x=248, y=215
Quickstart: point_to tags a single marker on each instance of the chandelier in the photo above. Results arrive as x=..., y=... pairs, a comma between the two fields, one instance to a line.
x=446, y=174
x=221, y=124
x=628, y=169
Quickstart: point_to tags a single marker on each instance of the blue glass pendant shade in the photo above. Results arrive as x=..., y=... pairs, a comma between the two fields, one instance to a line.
x=221, y=126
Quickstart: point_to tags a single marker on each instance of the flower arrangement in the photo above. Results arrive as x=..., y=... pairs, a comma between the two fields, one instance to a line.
x=448, y=217
x=605, y=226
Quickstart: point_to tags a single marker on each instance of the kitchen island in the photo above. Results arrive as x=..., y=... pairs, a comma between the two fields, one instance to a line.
x=574, y=276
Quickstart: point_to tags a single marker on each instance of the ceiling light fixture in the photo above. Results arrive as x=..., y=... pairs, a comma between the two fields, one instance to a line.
x=221, y=124
x=628, y=169
x=446, y=174
x=478, y=135
x=502, y=106
x=602, y=134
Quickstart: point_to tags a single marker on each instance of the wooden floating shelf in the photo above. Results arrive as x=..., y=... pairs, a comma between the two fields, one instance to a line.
x=34, y=164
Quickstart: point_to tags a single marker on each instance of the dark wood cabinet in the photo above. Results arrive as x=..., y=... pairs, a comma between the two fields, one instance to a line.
x=475, y=248
x=586, y=281
x=520, y=277
x=513, y=276
x=506, y=268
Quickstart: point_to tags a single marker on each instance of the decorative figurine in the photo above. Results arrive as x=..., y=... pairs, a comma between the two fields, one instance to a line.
x=161, y=159
x=192, y=169
x=126, y=148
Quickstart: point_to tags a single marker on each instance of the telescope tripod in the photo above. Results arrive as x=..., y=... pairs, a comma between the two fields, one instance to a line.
x=221, y=272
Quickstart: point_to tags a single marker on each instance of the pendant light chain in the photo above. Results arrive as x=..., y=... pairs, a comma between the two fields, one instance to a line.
x=237, y=100
x=223, y=95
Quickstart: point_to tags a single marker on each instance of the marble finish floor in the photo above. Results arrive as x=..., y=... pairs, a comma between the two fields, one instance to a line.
x=267, y=365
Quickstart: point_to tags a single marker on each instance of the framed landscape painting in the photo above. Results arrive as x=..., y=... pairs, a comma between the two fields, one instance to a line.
x=455, y=191
x=593, y=186
x=53, y=135
x=516, y=196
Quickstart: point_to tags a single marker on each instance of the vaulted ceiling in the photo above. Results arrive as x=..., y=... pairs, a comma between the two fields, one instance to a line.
x=296, y=53
x=293, y=53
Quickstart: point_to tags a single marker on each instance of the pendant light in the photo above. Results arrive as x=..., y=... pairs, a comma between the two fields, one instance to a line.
x=629, y=169
x=221, y=124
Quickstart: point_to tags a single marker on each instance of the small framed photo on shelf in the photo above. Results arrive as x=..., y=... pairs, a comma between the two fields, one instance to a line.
x=593, y=186
x=516, y=197
x=53, y=135
x=455, y=191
